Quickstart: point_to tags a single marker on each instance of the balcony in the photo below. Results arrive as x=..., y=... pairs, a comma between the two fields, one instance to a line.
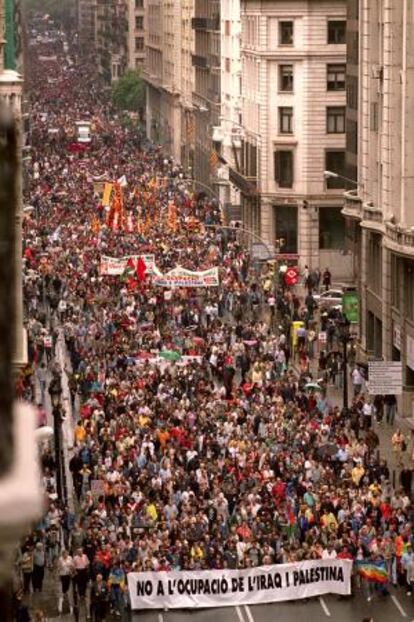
x=214, y=61
x=214, y=23
x=199, y=23
x=199, y=61
x=401, y=237
x=352, y=206
x=371, y=213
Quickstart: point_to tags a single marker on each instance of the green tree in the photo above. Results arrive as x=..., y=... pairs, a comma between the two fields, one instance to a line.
x=128, y=93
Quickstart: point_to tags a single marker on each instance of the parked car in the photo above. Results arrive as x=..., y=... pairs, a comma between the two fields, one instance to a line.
x=330, y=298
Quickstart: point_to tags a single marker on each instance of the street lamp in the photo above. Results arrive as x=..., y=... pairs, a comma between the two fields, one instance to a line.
x=55, y=392
x=345, y=338
x=332, y=175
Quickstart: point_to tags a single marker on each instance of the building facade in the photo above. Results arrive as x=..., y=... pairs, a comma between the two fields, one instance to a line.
x=87, y=24
x=112, y=38
x=207, y=88
x=382, y=208
x=136, y=34
x=169, y=75
x=228, y=133
x=293, y=115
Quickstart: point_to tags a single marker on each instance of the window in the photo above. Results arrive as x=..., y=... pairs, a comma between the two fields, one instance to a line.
x=286, y=78
x=284, y=168
x=335, y=162
x=139, y=22
x=285, y=33
x=337, y=31
x=335, y=80
x=374, y=117
x=139, y=43
x=286, y=227
x=331, y=228
x=335, y=120
x=227, y=65
x=285, y=120
x=227, y=27
x=139, y=4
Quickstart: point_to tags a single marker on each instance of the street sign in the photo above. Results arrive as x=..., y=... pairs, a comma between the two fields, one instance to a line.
x=385, y=377
x=291, y=276
x=350, y=306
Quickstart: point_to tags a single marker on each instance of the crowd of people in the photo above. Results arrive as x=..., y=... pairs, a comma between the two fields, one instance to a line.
x=196, y=444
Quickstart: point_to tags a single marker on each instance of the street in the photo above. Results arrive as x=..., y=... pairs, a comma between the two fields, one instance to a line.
x=396, y=607
x=201, y=434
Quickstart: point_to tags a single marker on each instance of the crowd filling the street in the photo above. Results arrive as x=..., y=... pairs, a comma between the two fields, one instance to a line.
x=204, y=437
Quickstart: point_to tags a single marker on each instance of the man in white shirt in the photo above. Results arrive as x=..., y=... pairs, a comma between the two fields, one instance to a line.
x=357, y=380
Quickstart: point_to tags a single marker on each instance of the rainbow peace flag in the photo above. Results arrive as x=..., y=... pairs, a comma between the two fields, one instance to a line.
x=372, y=571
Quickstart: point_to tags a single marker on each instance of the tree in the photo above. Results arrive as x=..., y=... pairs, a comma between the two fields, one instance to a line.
x=128, y=92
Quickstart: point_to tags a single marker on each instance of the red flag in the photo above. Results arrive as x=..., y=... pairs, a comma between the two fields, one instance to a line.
x=141, y=270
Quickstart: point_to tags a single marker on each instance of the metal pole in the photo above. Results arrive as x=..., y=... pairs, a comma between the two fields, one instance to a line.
x=345, y=368
x=58, y=457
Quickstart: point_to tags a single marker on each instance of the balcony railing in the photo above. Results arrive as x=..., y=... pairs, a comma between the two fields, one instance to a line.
x=402, y=237
x=199, y=61
x=372, y=213
x=199, y=23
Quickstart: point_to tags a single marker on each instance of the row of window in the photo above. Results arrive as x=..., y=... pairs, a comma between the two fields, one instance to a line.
x=331, y=227
x=335, y=77
x=335, y=120
x=336, y=32
x=284, y=167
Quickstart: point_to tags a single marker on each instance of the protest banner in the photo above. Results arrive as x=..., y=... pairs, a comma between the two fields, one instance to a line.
x=113, y=266
x=220, y=588
x=180, y=277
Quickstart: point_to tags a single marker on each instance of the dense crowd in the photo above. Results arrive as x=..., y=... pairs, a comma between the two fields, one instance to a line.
x=195, y=444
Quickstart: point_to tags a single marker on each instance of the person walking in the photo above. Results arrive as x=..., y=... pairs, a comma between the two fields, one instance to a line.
x=26, y=567
x=398, y=445
x=357, y=380
x=66, y=569
x=81, y=565
x=410, y=576
x=327, y=279
x=390, y=403
x=99, y=599
x=39, y=563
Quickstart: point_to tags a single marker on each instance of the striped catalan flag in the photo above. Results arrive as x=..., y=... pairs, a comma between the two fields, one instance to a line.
x=372, y=571
x=213, y=160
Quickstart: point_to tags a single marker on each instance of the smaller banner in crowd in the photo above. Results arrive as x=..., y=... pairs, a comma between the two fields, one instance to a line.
x=253, y=586
x=180, y=277
x=112, y=266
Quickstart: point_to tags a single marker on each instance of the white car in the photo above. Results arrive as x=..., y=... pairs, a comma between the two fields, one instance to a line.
x=330, y=298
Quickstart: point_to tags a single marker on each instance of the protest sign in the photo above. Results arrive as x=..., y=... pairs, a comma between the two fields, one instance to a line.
x=180, y=277
x=220, y=588
x=113, y=266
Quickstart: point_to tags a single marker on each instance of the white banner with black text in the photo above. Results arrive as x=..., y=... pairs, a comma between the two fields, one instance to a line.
x=183, y=589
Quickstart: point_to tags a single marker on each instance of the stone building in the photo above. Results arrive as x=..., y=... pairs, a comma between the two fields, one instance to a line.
x=380, y=212
x=293, y=115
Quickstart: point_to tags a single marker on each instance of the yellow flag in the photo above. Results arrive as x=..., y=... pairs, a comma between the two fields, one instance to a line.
x=106, y=198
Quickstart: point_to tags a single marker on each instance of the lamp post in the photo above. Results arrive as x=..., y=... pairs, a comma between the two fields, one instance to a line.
x=55, y=392
x=332, y=175
x=345, y=338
